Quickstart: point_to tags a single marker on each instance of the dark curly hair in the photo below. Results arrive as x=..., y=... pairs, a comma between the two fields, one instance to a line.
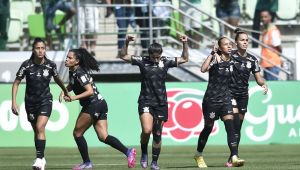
x=86, y=60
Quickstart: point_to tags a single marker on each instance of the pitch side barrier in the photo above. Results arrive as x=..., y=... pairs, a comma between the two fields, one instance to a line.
x=271, y=119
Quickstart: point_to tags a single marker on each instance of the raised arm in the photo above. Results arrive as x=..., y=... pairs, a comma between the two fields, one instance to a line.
x=205, y=66
x=260, y=82
x=14, y=106
x=185, y=52
x=123, y=54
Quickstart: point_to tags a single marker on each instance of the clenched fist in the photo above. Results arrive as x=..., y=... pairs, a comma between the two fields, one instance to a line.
x=130, y=37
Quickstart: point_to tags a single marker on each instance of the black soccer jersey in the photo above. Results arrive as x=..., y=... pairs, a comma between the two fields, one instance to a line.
x=153, y=76
x=243, y=66
x=219, y=78
x=37, y=80
x=78, y=79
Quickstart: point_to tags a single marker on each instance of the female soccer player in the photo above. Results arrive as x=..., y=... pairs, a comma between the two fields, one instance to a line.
x=216, y=101
x=153, y=104
x=38, y=99
x=244, y=64
x=94, y=108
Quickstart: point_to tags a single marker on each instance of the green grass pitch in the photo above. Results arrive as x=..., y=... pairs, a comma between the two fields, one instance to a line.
x=258, y=157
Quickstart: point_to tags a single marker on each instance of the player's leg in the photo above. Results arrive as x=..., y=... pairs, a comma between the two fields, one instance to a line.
x=84, y=121
x=231, y=139
x=100, y=127
x=41, y=116
x=242, y=109
x=203, y=137
x=156, y=144
x=147, y=124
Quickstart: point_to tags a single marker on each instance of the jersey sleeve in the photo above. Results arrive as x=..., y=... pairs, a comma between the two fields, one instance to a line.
x=54, y=70
x=83, y=79
x=22, y=70
x=255, y=68
x=136, y=60
x=171, y=61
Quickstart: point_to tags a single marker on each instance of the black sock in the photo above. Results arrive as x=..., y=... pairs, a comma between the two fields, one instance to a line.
x=115, y=143
x=144, y=148
x=237, y=128
x=203, y=138
x=40, y=148
x=155, y=154
x=83, y=148
x=231, y=137
x=241, y=123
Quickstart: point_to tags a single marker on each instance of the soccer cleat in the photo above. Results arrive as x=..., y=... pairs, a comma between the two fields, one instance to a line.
x=200, y=161
x=144, y=160
x=131, y=157
x=237, y=162
x=229, y=163
x=87, y=165
x=39, y=164
x=154, y=165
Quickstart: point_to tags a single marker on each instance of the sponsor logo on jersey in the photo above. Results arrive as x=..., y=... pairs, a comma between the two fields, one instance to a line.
x=48, y=65
x=137, y=58
x=38, y=74
x=160, y=116
x=46, y=72
x=231, y=68
x=212, y=115
x=170, y=58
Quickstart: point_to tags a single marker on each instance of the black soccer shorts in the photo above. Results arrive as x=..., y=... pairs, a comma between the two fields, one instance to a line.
x=159, y=112
x=240, y=103
x=41, y=110
x=98, y=110
x=214, y=111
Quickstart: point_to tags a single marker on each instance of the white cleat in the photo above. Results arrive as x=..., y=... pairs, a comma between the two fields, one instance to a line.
x=39, y=164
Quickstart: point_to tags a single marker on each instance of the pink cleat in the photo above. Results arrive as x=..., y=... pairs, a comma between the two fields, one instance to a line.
x=131, y=157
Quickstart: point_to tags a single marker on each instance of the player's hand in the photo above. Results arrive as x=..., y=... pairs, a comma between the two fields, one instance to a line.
x=69, y=99
x=265, y=91
x=183, y=38
x=15, y=108
x=216, y=46
x=130, y=37
x=217, y=58
x=61, y=97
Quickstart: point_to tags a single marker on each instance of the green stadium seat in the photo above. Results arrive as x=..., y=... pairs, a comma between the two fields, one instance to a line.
x=287, y=9
x=26, y=6
x=15, y=30
x=207, y=6
x=36, y=25
x=250, y=8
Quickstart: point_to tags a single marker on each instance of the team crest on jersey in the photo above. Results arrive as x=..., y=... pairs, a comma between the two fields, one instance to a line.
x=233, y=102
x=231, y=68
x=46, y=72
x=31, y=116
x=212, y=115
x=160, y=64
x=248, y=64
x=146, y=109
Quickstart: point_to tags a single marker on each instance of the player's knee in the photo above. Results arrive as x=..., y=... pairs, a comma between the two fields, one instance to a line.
x=157, y=130
x=102, y=137
x=77, y=133
x=39, y=129
x=147, y=130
